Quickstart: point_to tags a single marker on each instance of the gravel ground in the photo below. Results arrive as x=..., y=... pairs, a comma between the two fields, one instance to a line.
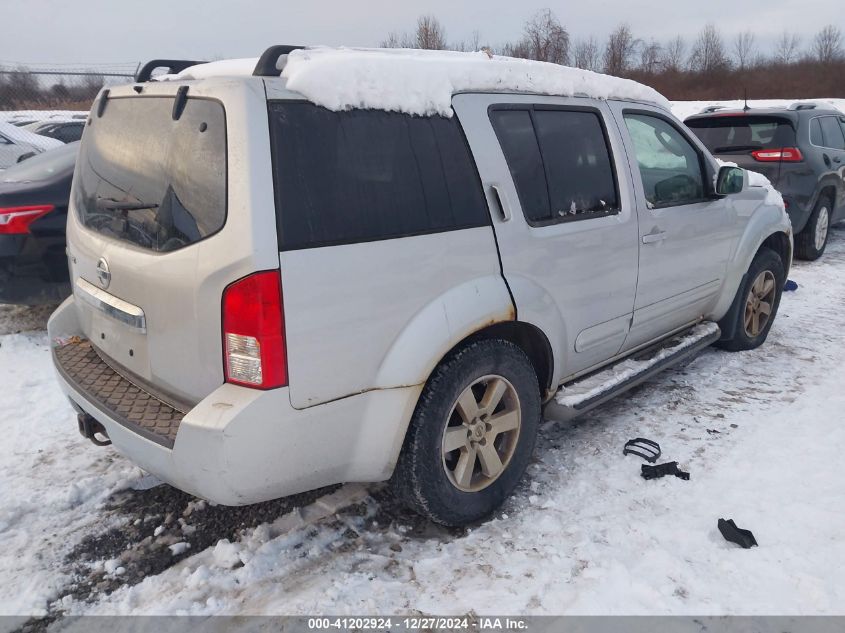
x=16, y=319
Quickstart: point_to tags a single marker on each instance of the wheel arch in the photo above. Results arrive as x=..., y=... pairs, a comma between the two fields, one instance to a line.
x=531, y=340
x=780, y=243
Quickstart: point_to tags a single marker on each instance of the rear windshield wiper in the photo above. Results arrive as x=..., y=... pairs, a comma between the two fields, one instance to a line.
x=109, y=204
x=735, y=148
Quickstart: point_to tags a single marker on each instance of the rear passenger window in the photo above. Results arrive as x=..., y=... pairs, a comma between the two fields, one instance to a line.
x=669, y=164
x=560, y=162
x=816, y=137
x=833, y=137
x=364, y=175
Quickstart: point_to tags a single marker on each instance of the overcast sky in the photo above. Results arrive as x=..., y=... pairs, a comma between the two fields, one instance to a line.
x=111, y=31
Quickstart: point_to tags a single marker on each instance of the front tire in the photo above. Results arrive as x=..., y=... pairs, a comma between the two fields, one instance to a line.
x=811, y=242
x=472, y=434
x=760, y=297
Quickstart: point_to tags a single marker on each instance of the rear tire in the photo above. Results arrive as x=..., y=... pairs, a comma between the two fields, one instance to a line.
x=759, y=300
x=472, y=434
x=811, y=242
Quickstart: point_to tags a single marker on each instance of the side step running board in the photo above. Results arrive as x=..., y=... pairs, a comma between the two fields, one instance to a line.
x=590, y=391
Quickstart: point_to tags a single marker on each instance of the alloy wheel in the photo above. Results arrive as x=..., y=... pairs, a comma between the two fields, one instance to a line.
x=481, y=434
x=758, y=304
x=822, y=225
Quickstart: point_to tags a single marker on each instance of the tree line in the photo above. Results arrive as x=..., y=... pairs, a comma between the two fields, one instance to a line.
x=710, y=66
x=22, y=89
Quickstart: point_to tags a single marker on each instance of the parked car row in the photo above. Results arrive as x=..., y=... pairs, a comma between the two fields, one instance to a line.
x=270, y=296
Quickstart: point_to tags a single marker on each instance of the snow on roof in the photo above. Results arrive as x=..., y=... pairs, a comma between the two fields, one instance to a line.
x=20, y=135
x=423, y=82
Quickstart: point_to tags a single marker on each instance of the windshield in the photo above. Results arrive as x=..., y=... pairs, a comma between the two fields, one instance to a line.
x=43, y=166
x=742, y=134
x=145, y=178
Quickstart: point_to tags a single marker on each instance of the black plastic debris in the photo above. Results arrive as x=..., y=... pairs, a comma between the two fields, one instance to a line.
x=743, y=538
x=790, y=286
x=661, y=470
x=649, y=450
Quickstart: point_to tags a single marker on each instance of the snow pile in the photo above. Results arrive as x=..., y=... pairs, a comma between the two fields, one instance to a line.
x=684, y=109
x=423, y=82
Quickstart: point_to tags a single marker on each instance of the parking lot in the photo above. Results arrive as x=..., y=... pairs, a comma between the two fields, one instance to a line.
x=82, y=530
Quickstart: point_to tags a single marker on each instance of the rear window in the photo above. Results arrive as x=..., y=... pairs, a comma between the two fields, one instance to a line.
x=364, y=175
x=743, y=134
x=147, y=179
x=55, y=162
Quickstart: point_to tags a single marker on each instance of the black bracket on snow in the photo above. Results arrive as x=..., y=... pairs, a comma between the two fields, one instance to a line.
x=661, y=470
x=743, y=538
x=641, y=447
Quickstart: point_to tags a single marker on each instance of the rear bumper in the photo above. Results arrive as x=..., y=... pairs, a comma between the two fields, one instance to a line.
x=241, y=446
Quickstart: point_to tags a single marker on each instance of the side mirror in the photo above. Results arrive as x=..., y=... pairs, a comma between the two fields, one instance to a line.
x=730, y=180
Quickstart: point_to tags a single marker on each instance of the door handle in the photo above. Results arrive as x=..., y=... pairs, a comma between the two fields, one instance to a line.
x=502, y=199
x=651, y=238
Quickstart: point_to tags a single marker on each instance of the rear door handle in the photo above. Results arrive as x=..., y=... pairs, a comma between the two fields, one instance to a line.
x=651, y=238
x=502, y=199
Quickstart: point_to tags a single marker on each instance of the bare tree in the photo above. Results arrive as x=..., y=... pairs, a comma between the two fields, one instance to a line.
x=430, y=34
x=744, y=49
x=651, y=57
x=786, y=48
x=620, y=48
x=827, y=45
x=586, y=54
x=471, y=45
x=674, y=54
x=543, y=39
x=393, y=40
x=708, y=52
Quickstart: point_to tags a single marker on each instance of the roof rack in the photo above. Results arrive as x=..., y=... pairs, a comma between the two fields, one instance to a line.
x=172, y=66
x=713, y=108
x=803, y=106
x=266, y=66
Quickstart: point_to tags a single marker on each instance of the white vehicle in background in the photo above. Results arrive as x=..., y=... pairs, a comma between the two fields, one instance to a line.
x=17, y=144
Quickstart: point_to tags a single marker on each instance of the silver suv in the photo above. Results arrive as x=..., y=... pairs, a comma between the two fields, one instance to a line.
x=271, y=296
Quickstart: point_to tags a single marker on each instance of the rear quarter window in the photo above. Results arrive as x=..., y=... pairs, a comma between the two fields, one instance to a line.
x=364, y=175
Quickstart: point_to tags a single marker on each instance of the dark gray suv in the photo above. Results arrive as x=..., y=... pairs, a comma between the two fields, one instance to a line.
x=801, y=149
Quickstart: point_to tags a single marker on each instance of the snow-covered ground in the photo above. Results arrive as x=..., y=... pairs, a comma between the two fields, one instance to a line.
x=84, y=531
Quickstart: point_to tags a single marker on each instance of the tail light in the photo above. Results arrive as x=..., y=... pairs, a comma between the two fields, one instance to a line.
x=782, y=155
x=254, y=332
x=16, y=220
